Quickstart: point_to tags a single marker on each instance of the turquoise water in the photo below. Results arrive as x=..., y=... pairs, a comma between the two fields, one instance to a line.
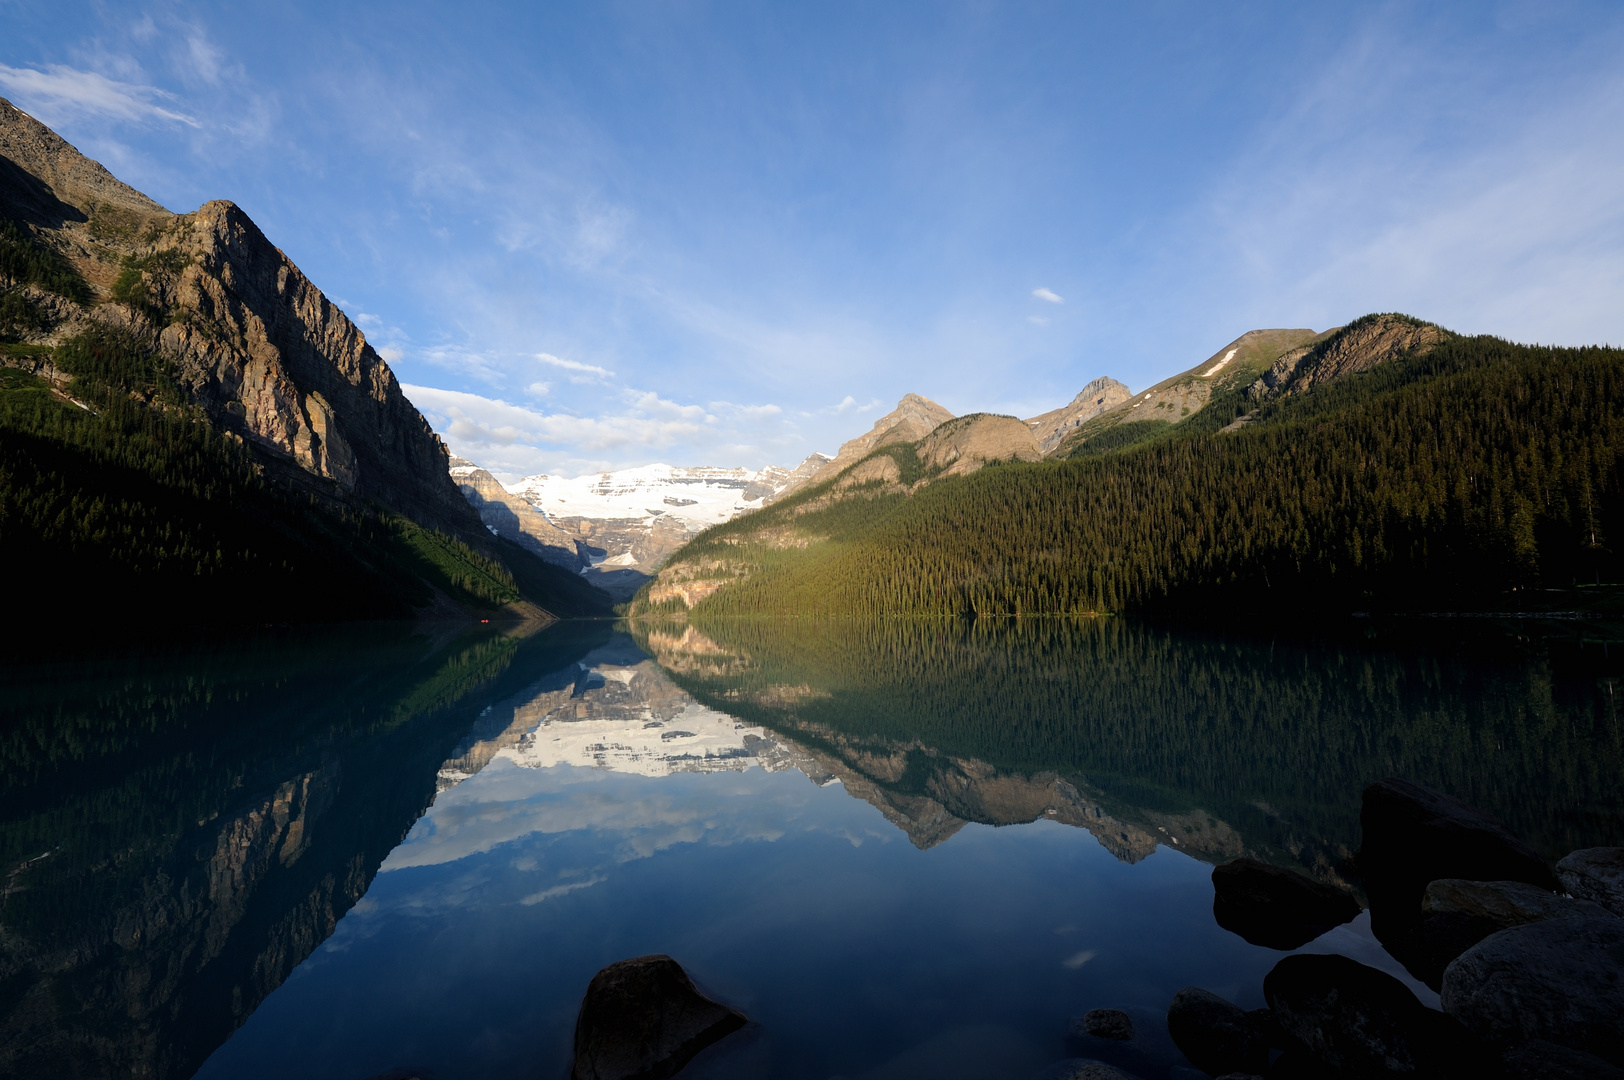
x=905, y=850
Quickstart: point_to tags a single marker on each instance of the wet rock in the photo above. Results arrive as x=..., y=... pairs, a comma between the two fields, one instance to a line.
x=1148, y=1051
x=1428, y=948
x=1240, y=1076
x=1541, y=1060
x=1217, y=1036
x=1364, y=1022
x=1108, y=1024
x=1504, y=903
x=643, y=1018
x=1595, y=874
x=1275, y=907
x=1561, y=980
x=1413, y=835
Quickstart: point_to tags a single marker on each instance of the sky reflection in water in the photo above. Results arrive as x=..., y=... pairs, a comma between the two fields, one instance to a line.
x=854, y=951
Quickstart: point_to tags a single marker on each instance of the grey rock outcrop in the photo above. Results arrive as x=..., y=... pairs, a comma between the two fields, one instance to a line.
x=512, y=518
x=1217, y=1036
x=253, y=342
x=1561, y=980
x=1360, y=346
x=1275, y=907
x=644, y=1018
x=1051, y=428
x=961, y=446
x=1595, y=874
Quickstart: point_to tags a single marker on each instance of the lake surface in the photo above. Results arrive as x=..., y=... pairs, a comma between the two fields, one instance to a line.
x=903, y=849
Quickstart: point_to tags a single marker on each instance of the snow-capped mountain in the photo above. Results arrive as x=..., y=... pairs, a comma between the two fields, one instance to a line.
x=698, y=497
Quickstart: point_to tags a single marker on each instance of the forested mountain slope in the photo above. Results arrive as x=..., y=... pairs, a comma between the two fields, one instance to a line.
x=1445, y=472
x=190, y=431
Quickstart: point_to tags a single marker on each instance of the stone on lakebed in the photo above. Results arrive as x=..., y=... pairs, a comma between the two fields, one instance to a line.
x=644, y=1018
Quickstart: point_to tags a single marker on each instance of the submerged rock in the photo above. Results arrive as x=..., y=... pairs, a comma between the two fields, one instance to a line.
x=1561, y=980
x=644, y=1018
x=1275, y=907
x=1108, y=1024
x=1130, y=1038
x=1595, y=874
x=1217, y=1036
x=1364, y=1022
x=1413, y=835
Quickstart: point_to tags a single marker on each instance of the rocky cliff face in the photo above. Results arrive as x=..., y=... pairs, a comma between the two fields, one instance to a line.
x=1359, y=346
x=1051, y=428
x=960, y=447
x=912, y=419
x=253, y=342
x=509, y=516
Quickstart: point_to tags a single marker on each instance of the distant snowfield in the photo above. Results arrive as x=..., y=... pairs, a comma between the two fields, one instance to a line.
x=698, y=497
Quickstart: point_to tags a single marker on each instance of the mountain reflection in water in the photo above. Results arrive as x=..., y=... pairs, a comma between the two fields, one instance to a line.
x=182, y=831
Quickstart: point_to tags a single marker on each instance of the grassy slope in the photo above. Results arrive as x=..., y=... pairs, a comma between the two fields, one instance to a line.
x=1441, y=479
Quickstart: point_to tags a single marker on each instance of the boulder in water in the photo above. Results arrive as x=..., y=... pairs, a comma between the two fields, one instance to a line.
x=644, y=1018
x=1537, y=1059
x=1276, y=907
x=1504, y=903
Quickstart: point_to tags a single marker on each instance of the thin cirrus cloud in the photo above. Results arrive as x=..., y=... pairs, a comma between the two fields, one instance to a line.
x=575, y=365
x=58, y=93
x=1048, y=295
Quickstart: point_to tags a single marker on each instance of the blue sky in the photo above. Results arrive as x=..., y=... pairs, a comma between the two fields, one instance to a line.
x=598, y=235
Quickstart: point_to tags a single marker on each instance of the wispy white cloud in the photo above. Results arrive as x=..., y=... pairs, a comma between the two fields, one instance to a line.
x=594, y=372
x=58, y=93
x=561, y=890
x=1048, y=295
x=1037, y=320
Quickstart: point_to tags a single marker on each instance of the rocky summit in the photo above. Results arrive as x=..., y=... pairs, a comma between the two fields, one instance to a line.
x=254, y=343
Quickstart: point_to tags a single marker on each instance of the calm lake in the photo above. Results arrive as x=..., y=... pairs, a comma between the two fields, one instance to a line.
x=903, y=849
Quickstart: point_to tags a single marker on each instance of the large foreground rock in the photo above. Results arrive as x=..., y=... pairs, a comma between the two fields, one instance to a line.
x=1217, y=1036
x=1541, y=1060
x=1561, y=980
x=1427, y=949
x=1414, y=835
x=1275, y=907
x=1595, y=874
x=1364, y=1022
x=643, y=1018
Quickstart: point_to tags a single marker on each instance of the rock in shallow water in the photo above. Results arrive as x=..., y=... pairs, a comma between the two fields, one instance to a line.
x=1217, y=1036
x=1364, y=1022
x=1595, y=874
x=1428, y=948
x=643, y=1018
x=1275, y=907
x=1108, y=1024
x=1413, y=834
x=1561, y=980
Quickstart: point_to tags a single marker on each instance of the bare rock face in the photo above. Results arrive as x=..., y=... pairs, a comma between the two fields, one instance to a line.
x=912, y=419
x=1051, y=428
x=1414, y=835
x=1561, y=980
x=1275, y=907
x=643, y=1018
x=512, y=518
x=1595, y=874
x=961, y=446
x=1359, y=347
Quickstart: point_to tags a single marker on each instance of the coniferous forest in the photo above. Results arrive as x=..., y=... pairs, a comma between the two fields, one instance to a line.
x=1462, y=475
